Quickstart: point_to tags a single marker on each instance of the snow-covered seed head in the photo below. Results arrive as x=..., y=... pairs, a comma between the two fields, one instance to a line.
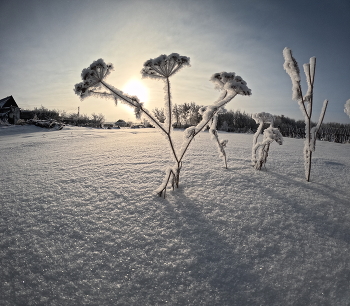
x=231, y=82
x=290, y=64
x=263, y=118
x=347, y=108
x=92, y=77
x=273, y=134
x=164, y=66
x=292, y=68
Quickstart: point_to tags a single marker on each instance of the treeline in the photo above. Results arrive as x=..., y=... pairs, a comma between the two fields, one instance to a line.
x=184, y=115
x=332, y=131
x=43, y=113
x=187, y=114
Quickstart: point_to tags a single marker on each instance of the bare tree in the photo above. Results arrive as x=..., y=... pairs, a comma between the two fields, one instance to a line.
x=159, y=114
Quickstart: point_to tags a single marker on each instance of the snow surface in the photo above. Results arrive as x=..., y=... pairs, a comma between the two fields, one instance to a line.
x=80, y=224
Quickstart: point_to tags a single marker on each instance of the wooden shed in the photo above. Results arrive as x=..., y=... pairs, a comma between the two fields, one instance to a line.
x=9, y=110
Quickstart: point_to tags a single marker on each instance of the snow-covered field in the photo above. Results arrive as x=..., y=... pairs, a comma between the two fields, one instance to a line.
x=80, y=224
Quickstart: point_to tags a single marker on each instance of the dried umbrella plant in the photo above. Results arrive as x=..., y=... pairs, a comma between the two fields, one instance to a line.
x=305, y=103
x=163, y=67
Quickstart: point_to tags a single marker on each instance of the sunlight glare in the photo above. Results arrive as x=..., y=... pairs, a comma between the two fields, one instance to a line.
x=136, y=87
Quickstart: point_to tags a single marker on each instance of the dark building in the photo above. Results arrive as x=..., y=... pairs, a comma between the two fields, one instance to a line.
x=9, y=110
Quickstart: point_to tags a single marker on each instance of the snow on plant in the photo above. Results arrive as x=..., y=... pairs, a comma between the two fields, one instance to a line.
x=221, y=144
x=162, y=68
x=347, y=108
x=270, y=134
x=305, y=103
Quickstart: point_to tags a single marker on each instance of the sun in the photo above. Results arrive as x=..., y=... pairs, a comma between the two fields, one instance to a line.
x=136, y=88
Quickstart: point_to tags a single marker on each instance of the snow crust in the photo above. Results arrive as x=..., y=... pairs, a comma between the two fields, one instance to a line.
x=80, y=224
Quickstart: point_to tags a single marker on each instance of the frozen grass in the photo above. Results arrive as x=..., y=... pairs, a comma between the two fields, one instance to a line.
x=81, y=226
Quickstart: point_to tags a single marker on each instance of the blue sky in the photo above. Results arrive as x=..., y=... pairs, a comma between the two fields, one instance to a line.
x=45, y=45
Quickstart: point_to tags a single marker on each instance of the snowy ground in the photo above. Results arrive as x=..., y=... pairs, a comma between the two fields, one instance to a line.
x=79, y=223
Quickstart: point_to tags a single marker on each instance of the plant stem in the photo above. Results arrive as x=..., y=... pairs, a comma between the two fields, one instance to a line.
x=169, y=105
x=309, y=166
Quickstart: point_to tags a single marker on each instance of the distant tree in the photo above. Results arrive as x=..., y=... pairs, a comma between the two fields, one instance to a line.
x=185, y=114
x=224, y=126
x=176, y=115
x=97, y=120
x=159, y=114
x=43, y=113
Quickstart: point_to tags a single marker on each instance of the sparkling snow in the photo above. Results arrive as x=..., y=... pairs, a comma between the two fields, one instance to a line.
x=80, y=224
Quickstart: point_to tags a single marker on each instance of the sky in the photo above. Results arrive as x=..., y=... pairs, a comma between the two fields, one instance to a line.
x=46, y=44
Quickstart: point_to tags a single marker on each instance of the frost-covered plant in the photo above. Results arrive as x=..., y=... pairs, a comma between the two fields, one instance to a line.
x=221, y=143
x=270, y=134
x=347, y=108
x=305, y=103
x=162, y=68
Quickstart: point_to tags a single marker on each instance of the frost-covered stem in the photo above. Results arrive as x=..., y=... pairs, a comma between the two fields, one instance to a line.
x=172, y=147
x=309, y=156
x=312, y=144
x=309, y=141
x=255, y=140
x=265, y=147
x=192, y=137
x=254, y=150
x=215, y=133
x=265, y=152
x=257, y=133
x=169, y=105
x=302, y=104
x=176, y=175
x=320, y=119
x=148, y=115
x=169, y=121
x=163, y=191
x=307, y=116
x=133, y=105
x=202, y=125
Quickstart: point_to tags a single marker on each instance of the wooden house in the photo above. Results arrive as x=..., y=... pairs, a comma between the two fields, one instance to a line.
x=9, y=110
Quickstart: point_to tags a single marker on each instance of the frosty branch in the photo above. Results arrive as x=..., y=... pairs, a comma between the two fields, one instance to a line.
x=305, y=102
x=162, y=68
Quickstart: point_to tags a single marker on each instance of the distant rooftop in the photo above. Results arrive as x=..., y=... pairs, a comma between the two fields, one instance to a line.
x=7, y=102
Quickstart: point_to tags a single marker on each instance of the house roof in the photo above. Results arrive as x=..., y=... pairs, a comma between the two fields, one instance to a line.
x=7, y=102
